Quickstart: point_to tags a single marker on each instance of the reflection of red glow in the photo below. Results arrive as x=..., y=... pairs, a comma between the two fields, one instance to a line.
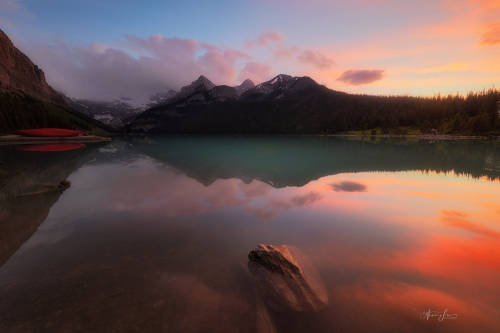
x=469, y=226
x=460, y=274
x=53, y=147
x=453, y=213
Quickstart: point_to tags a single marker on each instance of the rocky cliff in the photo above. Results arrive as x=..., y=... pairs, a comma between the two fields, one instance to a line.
x=19, y=74
x=28, y=101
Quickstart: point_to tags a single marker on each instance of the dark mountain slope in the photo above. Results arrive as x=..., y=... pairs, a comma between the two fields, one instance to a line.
x=19, y=74
x=28, y=101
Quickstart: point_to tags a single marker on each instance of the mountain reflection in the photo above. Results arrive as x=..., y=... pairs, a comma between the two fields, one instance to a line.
x=347, y=186
x=295, y=161
x=29, y=186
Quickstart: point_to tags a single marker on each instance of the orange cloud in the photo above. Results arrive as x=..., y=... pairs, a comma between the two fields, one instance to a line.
x=491, y=36
x=453, y=213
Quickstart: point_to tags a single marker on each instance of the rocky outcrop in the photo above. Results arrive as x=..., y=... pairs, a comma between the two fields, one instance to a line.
x=19, y=73
x=286, y=279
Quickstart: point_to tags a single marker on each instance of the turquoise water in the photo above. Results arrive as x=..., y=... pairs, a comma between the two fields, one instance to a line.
x=153, y=234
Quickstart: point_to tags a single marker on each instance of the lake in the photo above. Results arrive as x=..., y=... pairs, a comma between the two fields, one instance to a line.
x=153, y=234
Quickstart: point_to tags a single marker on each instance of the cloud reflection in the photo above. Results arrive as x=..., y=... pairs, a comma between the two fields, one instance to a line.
x=348, y=186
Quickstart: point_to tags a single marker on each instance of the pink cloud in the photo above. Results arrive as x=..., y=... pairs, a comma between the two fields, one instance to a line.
x=138, y=68
x=266, y=38
x=234, y=55
x=286, y=52
x=10, y=5
x=316, y=59
x=359, y=77
x=256, y=72
x=162, y=47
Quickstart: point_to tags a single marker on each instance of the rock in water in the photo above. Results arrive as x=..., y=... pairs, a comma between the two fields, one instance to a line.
x=286, y=279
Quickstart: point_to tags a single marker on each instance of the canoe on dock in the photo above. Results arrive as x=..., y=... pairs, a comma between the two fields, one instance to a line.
x=49, y=132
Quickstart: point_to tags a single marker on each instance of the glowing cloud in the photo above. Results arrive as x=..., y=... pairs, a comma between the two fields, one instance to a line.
x=266, y=38
x=491, y=36
x=316, y=59
x=139, y=67
x=256, y=72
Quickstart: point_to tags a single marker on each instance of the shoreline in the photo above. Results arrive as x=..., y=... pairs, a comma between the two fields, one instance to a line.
x=26, y=140
x=18, y=139
x=422, y=136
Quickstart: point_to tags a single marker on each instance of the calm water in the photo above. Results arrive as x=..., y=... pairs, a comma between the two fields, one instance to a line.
x=153, y=234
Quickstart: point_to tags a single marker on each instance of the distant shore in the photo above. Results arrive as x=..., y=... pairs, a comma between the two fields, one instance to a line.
x=423, y=136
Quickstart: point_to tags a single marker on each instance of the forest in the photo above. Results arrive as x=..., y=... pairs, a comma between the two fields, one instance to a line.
x=318, y=110
x=21, y=111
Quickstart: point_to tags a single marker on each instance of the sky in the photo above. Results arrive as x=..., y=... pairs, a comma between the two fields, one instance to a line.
x=105, y=50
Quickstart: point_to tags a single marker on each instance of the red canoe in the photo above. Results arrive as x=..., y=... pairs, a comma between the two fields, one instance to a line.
x=53, y=147
x=49, y=132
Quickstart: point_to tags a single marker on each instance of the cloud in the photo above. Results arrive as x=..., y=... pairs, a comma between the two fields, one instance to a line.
x=362, y=76
x=265, y=39
x=273, y=207
x=316, y=59
x=348, y=186
x=306, y=199
x=139, y=67
x=453, y=213
x=491, y=36
x=451, y=67
x=256, y=72
x=12, y=12
x=10, y=5
x=285, y=52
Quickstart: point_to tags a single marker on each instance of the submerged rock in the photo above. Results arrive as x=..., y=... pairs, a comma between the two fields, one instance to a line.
x=63, y=185
x=286, y=279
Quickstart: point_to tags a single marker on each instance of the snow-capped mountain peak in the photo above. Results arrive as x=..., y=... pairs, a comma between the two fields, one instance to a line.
x=280, y=86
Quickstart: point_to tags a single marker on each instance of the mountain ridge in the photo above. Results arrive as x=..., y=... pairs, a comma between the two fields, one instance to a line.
x=299, y=105
x=28, y=101
x=19, y=74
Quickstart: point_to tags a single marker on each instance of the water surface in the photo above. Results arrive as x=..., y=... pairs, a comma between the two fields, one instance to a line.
x=153, y=234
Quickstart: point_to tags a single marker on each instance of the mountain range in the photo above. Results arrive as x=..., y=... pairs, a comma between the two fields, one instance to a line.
x=299, y=105
x=282, y=105
x=202, y=97
x=119, y=113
